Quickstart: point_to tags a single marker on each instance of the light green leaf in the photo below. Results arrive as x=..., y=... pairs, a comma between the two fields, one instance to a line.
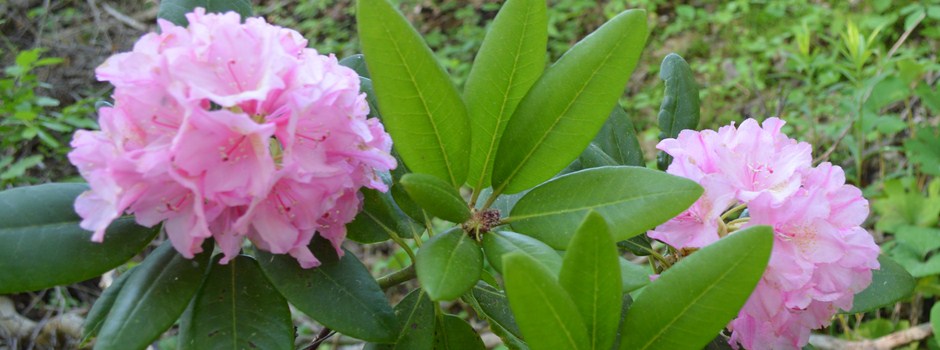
x=591, y=276
x=436, y=196
x=680, y=108
x=510, y=60
x=102, y=307
x=175, y=10
x=237, y=308
x=421, y=108
x=453, y=333
x=153, y=297
x=632, y=199
x=41, y=244
x=935, y=321
x=617, y=139
x=569, y=103
x=547, y=316
x=889, y=284
x=924, y=150
x=693, y=300
x=633, y=276
x=496, y=244
x=344, y=281
x=449, y=264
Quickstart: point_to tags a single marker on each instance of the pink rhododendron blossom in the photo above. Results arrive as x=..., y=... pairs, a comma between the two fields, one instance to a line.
x=821, y=255
x=231, y=130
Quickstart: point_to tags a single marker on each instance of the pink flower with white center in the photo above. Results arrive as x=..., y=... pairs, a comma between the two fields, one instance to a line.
x=231, y=130
x=821, y=255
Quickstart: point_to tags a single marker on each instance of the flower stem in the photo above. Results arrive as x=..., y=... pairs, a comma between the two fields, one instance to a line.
x=397, y=277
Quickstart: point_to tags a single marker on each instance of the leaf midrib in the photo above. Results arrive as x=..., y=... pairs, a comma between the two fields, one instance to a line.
x=528, y=156
x=554, y=312
x=427, y=110
x=513, y=218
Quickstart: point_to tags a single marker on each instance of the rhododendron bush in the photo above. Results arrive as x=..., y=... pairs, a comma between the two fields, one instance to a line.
x=257, y=161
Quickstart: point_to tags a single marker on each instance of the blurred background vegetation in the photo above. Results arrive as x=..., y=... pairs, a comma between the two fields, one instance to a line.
x=857, y=79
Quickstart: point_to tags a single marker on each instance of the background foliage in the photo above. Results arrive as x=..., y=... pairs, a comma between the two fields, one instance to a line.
x=857, y=79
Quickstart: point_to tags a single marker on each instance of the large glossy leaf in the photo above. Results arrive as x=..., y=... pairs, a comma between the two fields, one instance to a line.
x=453, y=333
x=680, y=108
x=492, y=304
x=153, y=297
x=569, y=103
x=421, y=108
x=41, y=244
x=496, y=244
x=449, y=264
x=547, y=316
x=510, y=60
x=693, y=300
x=436, y=196
x=632, y=199
x=416, y=316
x=99, y=312
x=889, y=284
x=237, y=308
x=365, y=313
x=175, y=10
x=379, y=216
x=590, y=274
x=617, y=139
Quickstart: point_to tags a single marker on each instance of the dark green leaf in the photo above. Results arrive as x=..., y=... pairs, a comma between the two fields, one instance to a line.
x=380, y=215
x=41, y=244
x=99, y=312
x=566, y=107
x=632, y=199
x=421, y=108
x=153, y=298
x=492, y=305
x=365, y=313
x=591, y=276
x=510, y=60
x=617, y=139
x=237, y=308
x=357, y=63
x=406, y=204
x=545, y=313
x=449, y=264
x=416, y=315
x=889, y=284
x=496, y=244
x=453, y=333
x=175, y=10
x=640, y=245
x=693, y=300
x=594, y=157
x=680, y=108
x=436, y=196
x=624, y=310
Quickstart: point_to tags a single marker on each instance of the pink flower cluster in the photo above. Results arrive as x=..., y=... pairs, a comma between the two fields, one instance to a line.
x=821, y=256
x=230, y=130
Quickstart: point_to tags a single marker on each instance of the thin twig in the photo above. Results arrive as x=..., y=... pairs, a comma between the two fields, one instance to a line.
x=324, y=334
x=131, y=22
x=890, y=341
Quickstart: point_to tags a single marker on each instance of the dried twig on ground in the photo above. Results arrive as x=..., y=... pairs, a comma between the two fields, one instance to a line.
x=890, y=341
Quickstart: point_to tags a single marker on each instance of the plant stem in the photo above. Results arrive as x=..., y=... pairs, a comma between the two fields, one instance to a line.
x=397, y=277
x=736, y=209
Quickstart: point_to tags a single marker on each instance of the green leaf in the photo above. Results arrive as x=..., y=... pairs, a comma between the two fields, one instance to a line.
x=905, y=205
x=99, y=312
x=889, y=284
x=510, y=60
x=406, y=204
x=41, y=244
x=617, y=139
x=935, y=321
x=545, y=313
x=680, y=108
x=633, y=276
x=237, y=308
x=436, y=196
x=357, y=63
x=21, y=166
x=453, y=333
x=421, y=108
x=924, y=150
x=493, y=305
x=693, y=300
x=365, y=313
x=591, y=276
x=569, y=103
x=153, y=298
x=379, y=216
x=496, y=244
x=449, y=264
x=594, y=157
x=416, y=316
x=632, y=199
x=922, y=240
x=175, y=10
